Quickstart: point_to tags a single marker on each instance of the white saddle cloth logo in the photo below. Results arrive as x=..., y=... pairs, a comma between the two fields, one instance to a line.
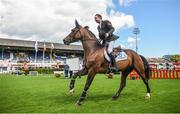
x=121, y=56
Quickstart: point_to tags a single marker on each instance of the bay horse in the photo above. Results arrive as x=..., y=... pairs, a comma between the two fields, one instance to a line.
x=95, y=61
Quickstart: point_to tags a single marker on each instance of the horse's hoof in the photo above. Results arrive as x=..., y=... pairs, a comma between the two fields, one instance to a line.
x=78, y=103
x=148, y=96
x=71, y=92
x=115, y=97
x=82, y=98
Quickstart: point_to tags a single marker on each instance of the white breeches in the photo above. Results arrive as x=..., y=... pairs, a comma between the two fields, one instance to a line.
x=110, y=46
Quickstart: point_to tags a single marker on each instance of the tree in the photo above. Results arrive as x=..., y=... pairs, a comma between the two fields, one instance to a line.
x=175, y=58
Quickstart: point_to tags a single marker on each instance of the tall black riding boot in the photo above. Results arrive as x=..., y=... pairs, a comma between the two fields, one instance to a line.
x=113, y=63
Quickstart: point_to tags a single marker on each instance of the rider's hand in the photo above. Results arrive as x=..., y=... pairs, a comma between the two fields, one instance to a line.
x=106, y=35
x=100, y=41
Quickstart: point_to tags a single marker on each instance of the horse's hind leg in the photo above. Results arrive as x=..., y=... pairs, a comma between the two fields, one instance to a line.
x=147, y=86
x=145, y=80
x=123, y=83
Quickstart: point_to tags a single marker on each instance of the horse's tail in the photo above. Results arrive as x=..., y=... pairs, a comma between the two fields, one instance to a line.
x=146, y=67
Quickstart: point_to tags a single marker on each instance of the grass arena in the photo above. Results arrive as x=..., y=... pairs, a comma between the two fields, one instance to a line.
x=47, y=93
x=93, y=56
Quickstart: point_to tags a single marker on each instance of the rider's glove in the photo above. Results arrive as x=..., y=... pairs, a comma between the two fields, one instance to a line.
x=106, y=35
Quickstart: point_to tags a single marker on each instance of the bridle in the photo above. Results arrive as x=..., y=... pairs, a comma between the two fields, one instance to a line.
x=82, y=39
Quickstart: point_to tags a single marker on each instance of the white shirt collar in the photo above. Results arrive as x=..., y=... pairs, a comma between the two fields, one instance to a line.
x=100, y=24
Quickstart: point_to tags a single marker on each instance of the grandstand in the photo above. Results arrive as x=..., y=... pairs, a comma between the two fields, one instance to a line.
x=13, y=53
x=157, y=60
x=23, y=50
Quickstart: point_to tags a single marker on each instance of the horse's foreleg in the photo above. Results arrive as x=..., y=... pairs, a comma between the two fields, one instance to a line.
x=91, y=75
x=72, y=82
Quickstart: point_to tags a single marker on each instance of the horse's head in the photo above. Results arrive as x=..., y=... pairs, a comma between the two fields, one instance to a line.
x=75, y=34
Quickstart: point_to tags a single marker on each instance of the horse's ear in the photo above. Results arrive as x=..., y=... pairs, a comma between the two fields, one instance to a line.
x=77, y=24
x=86, y=27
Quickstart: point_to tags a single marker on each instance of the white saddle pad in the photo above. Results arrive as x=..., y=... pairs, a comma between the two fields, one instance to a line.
x=121, y=56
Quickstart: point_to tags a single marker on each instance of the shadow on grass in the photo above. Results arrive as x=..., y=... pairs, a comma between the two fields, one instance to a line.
x=68, y=99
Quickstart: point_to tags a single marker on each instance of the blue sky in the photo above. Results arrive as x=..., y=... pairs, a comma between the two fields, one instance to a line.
x=159, y=24
x=52, y=20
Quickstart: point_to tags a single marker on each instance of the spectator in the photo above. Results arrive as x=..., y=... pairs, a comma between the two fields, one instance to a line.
x=66, y=70
x=80, y=66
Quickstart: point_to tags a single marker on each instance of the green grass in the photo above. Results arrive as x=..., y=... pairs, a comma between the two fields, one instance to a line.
x=50, y=94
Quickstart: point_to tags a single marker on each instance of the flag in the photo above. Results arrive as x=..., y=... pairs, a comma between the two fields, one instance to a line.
x=52, y=46
x=36, y=46
x=36, y=49
x=44, y=49
x=51, y=54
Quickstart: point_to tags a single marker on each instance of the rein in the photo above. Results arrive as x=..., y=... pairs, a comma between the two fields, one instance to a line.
x=94, y=39
x=82, y=38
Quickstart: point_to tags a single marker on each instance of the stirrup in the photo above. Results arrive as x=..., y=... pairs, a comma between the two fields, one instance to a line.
x=113, y=69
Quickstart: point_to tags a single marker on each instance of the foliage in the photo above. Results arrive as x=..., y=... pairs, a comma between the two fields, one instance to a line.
x=44, y=70
x=175, y=58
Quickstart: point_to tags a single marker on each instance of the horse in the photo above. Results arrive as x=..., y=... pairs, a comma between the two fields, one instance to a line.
x=95, y=61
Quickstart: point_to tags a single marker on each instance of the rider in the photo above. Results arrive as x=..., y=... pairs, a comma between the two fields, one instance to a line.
x=106, y=30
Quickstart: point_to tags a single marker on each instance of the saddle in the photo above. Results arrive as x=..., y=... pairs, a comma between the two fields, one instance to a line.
x=117, y=52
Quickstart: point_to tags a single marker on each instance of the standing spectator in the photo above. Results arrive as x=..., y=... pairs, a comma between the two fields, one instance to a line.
x=80, y=66
x=66, y=70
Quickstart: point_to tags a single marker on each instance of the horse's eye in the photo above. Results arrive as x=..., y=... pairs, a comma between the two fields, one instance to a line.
x=72, y=30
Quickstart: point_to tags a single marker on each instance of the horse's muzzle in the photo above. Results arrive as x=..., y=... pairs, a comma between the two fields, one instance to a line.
x=66, y=42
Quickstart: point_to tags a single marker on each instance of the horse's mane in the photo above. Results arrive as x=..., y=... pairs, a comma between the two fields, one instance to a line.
x=93, y=35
